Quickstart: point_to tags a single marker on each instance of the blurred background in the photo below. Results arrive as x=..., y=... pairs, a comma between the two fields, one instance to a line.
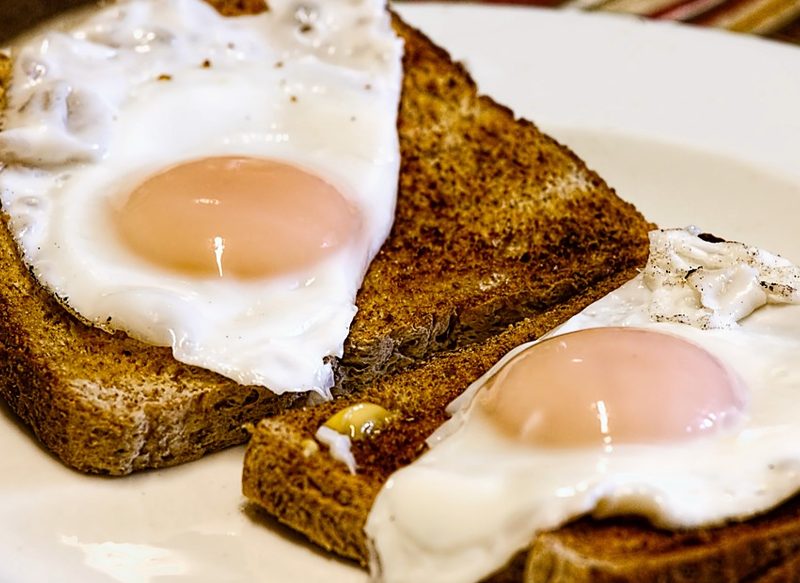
x=776, y=19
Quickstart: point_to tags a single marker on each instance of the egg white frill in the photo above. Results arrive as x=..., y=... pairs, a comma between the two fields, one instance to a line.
x=706, y=282
x=465, y=507
x=145, y=84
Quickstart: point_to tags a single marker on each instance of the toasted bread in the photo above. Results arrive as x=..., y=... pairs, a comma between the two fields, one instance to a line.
x=763, y=549
x=315, y=494
x=307, y=489
x=494, y=221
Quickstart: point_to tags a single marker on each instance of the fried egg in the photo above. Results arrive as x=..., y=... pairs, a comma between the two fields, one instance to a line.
x=676, y=398
x=217, y=185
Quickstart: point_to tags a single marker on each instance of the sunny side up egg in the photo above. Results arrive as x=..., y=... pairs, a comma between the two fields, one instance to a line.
x=217, y=185
x=653, y=401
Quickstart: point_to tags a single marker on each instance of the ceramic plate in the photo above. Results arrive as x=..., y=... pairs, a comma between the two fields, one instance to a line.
x=693, y=126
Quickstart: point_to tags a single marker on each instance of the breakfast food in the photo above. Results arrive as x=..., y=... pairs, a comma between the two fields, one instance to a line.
x=221, y=194
x=660, y=400
x=672, y=398
x=494, y=222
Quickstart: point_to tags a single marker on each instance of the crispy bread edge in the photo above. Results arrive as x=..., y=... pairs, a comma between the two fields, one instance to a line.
x=316, y=495
x=109, y=404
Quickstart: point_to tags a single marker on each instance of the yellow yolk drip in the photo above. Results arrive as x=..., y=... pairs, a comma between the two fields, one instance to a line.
x=235, y=216
x=359, y=420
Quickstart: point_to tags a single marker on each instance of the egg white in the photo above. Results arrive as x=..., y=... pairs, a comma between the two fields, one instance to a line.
x=466, y=506
x=143, y=85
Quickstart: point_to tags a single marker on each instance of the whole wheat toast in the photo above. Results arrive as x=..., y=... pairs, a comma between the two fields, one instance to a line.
x=317, y=495
x=304, y=487
x=495, y=221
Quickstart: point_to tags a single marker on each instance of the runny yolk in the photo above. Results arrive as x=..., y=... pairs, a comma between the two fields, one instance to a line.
x=235, y=216
x=605, y=386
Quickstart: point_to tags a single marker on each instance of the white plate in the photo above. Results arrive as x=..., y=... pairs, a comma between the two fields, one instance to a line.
x=693, y=126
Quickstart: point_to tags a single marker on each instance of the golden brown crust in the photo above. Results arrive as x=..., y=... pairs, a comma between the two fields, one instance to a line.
x=760, y=549
x=107, y=403
x=239, y=7
x=546, y=237
x=479, y=191
x=472, y=251
x=5, y=75
x=317, y=496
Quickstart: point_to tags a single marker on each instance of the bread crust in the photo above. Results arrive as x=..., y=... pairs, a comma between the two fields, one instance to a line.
x=472, y=251
x=317, y=496
x=580, y=245
x=107, y=403
x=474, y=246
x=764, y=548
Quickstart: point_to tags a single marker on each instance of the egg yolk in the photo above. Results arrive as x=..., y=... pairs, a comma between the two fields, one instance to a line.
x=605, y=386
x=236, y=216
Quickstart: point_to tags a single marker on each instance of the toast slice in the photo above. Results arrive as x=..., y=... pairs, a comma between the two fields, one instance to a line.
x=287, y=474
x=494, y=221
x=307, y=489
x=527, y=185
x=315, y=494
x=761, y=550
